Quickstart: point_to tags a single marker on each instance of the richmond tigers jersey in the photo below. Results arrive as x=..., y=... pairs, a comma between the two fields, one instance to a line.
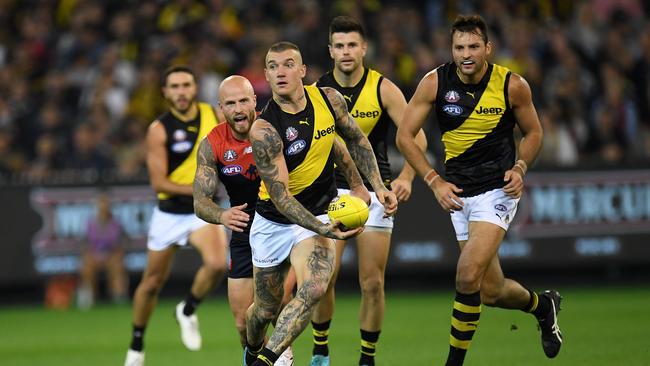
x=364, y=104
x=307, y=139
x=236, y=168
x=182, y=145
x=477, y=124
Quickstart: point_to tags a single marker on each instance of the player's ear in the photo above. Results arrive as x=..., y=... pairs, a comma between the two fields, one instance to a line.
x=364, y=48
x=329, y=48
x=303, y=70
x=488, y=48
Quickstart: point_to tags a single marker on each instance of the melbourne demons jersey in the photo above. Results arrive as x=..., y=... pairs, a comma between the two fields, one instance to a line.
x=477, y=124
x=364, y=104
x=236, y=168
x=182, y=145
x=307, y=139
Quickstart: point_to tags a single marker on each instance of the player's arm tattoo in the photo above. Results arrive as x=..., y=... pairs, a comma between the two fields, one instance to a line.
x=296, y=315
x=267, y=152
x=357, y=143
x=345, y=164
x=205, y=185
x=269, y=288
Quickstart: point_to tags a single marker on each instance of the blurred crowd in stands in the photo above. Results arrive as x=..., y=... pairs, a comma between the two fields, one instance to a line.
x=81, y=78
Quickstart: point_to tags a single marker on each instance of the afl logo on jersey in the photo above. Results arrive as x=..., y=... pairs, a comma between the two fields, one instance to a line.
x=296, y=147
x=232, y=169
x=452, y=96
x=452, y=109
x=181, y=147
x=230, y=155
x=291, y=133
x=180, y=135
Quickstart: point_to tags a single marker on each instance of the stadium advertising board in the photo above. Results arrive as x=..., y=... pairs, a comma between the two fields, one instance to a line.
x=564, y=220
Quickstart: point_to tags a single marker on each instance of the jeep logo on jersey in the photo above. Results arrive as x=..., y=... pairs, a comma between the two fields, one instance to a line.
x=489, y=110
x=452, y=109
x=368, y=114
x=296, y=147
x=181, y=147
x=230, y=155
x=232, y=169
x=452, y=96
x=324, y=132
x=291, y=133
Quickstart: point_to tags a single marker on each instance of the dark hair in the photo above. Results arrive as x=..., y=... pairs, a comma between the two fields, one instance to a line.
x=346, y=24
x=176, y=68
x=283, y=46
x=470, y=24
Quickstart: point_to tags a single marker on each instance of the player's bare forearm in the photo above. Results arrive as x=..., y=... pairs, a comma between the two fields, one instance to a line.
x=205, y=186
x=295, y=317
x=267, y=151
x=345, y=164
x=356, y=142
x=530, y=146
x=407, y=171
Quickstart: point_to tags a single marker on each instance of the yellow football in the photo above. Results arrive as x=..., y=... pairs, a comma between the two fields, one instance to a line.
x=351, y=211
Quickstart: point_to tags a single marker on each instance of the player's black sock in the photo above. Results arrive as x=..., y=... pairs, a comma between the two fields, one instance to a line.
x=252, y=351
x=137, y=337
x=191, y=303
x=464, y=322
x=266, y=358
x=368, y=346
x=537, y=305
x=321, y=332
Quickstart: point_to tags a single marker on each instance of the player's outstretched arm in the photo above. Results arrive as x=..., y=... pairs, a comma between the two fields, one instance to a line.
x=521, y=101
x=360, y=149
x=416, y=113
x=272, y=168
x=395, y=104
x=206, y=183
x=345, y=164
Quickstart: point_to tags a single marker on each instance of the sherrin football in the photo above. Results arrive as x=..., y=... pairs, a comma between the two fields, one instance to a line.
x=351, y=211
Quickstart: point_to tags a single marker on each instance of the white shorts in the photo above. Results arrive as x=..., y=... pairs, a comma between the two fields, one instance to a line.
x=167, y=229
x=376, y=220
x=492, y=206
x=271, y=242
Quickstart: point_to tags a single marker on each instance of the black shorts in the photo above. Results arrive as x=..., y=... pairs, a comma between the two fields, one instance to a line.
x=241, y=259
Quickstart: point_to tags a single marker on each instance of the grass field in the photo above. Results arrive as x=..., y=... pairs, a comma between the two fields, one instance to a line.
x=607, y=326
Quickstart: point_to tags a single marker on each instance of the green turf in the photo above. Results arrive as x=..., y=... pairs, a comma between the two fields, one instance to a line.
x=601, y=327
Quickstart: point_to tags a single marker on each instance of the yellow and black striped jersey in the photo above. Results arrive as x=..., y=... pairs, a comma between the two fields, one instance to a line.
x=477, y=124
x=307, y=139
x=182, y=145
x=365, y=105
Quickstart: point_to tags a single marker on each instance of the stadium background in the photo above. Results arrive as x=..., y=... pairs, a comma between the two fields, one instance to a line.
x=81, y=81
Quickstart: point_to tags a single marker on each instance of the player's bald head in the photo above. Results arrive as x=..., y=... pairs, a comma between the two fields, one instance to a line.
x=235, y=83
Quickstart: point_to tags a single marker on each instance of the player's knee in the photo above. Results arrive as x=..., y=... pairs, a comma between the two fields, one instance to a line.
x=152, y=284
x=214, y=266
x=468, y=278
x=312, y=291
x=372, y=286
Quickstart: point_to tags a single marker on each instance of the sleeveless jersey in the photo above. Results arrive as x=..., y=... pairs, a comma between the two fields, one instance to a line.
x=364, y=104
x=182, y=145
x=307, y=139
x=477, y=124
x=236, y=169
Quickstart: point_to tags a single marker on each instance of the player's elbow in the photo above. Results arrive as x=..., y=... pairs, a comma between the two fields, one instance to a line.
x=402, y=139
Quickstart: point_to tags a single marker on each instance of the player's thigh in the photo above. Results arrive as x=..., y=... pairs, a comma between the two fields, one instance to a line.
x=159, y=263
x=210, y=241
x=240, y=294
x=482, y=245
x=313, y=257
x=268, y=286
x=372, y=250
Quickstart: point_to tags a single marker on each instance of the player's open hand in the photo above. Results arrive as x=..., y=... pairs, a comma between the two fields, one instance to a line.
x=515, y=185
x=388, y=200
x=336, y=230
x=362, y=192
x=445, y=193
x=402, y=189
x=235, y=218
